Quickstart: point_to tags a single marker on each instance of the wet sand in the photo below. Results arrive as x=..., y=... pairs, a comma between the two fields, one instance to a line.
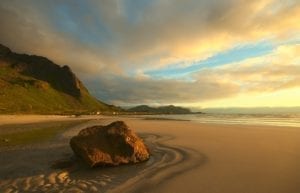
x=24, y=119
x=186, y=157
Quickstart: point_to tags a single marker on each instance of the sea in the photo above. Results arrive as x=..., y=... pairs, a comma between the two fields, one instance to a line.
x=290, y=120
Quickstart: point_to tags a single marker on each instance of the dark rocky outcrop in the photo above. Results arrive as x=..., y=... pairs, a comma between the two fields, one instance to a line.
x=35, y=84
x=4, y=51
x=41, y=68
x=171, y=109
x=111, y=145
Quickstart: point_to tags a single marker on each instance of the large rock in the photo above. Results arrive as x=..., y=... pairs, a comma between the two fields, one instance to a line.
x=113, y=145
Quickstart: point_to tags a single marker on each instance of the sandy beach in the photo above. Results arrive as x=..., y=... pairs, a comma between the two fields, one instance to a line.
x=186, y=157
x=23, y=119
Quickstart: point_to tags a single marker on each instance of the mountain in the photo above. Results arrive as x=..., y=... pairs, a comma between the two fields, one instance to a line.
x=160, y=110
x=34, y=84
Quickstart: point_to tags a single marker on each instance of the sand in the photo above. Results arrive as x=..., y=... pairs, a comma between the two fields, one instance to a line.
x=23, y=119
x=186, y=157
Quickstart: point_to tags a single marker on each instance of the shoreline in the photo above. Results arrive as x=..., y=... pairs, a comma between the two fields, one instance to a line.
x=187, y=157
x=28, y=119
x=163, y=165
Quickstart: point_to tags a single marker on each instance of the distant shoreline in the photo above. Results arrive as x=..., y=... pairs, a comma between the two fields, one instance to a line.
x=227, y=119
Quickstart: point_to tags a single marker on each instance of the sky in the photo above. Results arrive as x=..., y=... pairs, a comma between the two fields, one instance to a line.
x=193, y=53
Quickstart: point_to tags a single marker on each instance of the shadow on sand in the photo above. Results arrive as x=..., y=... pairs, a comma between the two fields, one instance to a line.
x=32, y=169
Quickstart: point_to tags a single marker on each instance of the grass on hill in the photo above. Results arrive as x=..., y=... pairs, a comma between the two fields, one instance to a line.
x=23, y=94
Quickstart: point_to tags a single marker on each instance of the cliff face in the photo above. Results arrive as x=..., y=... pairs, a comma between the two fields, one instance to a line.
x=34, y=84
x=60, y=78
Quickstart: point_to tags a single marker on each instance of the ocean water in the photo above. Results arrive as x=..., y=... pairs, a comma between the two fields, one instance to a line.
x=291, y=120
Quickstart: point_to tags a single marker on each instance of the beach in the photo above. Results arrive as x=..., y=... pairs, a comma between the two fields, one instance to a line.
x=186, y=156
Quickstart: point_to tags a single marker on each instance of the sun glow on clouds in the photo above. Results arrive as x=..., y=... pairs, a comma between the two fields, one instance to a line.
x=281, y=98
x=197, y=53
x=236, y=54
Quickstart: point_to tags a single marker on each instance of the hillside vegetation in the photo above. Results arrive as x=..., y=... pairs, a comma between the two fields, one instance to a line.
x=34, y=84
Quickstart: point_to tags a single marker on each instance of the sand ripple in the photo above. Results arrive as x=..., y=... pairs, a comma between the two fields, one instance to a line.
x=166, y=162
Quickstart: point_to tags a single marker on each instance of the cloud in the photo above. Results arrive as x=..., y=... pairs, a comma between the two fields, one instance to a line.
x=126, y=90
x=265, y=74
x=125, y=34
x=29, y=28
x=169, y=32
x=276, y=71
x=111, y=43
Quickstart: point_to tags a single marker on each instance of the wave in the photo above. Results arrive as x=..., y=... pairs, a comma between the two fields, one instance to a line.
x=290, y=120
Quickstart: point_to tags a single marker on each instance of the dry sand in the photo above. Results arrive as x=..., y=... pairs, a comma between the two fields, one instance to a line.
x=187, y=157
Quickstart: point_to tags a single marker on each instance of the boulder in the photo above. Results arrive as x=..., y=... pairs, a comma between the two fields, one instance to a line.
x=111, y=145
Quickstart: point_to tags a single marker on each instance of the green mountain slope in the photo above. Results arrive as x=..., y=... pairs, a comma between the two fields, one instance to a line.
x=34, y=84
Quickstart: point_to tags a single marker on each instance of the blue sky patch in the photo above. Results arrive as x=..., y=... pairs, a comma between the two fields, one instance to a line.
x=75, y=23
x=236, y=54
